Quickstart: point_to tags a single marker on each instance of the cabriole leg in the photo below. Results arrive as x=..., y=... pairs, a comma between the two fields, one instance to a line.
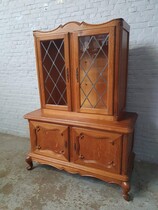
x=125, y=190
x=29, y=162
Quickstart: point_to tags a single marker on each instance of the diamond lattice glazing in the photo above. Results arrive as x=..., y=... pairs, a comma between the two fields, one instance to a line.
x=93, y=71
x=53, y=63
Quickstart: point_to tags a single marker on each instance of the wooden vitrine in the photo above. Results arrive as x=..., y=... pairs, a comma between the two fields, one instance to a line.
x=82, y=126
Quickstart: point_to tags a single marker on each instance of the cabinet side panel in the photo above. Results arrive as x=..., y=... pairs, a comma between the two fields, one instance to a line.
x=123, y=71
x=32, y=136
x=127, y=153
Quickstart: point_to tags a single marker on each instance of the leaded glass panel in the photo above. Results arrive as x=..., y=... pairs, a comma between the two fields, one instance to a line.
x=53, y=65
x=93, y=62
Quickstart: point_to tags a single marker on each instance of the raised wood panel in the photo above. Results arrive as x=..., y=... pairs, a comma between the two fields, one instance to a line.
x=50, y=140
x=97, y=149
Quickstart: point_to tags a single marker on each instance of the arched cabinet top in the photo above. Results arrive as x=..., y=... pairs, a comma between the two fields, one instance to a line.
x=75, y=26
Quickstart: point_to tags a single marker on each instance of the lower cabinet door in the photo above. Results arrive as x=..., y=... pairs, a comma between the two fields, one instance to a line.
x=50, y=140
x=96, y=149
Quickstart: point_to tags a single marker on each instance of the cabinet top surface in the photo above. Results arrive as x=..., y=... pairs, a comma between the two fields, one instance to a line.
x=126, y=125
x=74, y=26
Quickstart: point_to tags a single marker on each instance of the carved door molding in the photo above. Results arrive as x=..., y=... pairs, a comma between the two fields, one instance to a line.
x=50, y=140
x=97, y=149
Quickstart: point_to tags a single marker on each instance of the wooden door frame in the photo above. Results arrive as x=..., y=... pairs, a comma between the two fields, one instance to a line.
x=37, y=40
x=75, y=78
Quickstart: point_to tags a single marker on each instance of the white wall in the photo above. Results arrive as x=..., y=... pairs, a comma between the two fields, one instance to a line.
x=18, y=80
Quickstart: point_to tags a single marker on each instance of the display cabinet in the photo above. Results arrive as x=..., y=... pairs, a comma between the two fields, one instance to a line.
x=82, y=126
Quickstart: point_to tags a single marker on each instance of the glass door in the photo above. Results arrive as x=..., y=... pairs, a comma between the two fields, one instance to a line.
x=54, y=75
x=94, y=70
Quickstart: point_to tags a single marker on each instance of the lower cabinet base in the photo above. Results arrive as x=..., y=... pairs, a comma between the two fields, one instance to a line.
x=89, y=147
x=121, y=180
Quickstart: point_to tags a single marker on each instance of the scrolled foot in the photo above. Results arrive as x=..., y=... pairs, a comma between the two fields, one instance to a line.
x=125, y=190
x=29, y=162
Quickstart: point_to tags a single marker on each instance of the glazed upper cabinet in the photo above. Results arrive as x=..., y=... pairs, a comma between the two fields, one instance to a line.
x=53, y=70
x=83, y=68
x=94, y=64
